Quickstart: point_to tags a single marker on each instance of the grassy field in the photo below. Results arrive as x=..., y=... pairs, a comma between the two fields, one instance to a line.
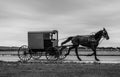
x=58, y=70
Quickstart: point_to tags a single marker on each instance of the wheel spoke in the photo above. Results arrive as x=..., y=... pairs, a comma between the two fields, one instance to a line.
x=24, y=53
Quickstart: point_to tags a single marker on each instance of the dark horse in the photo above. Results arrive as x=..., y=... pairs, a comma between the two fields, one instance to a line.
x=90, y=41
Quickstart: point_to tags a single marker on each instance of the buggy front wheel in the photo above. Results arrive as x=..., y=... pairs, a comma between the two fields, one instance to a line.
x=52, y=54
x=62, y=51
x=24, y=53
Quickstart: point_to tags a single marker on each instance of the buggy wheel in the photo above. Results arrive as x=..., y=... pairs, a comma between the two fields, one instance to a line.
x=36, y=55
x=52, y=54
x=24, y=53
x=62, y=51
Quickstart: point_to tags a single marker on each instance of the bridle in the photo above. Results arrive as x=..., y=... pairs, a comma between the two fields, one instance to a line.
x=104, y=34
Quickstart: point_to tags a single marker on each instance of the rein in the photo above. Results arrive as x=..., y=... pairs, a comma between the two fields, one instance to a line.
x=62, y=38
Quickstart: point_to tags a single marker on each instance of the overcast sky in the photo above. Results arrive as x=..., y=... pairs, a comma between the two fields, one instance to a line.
x=69, y=17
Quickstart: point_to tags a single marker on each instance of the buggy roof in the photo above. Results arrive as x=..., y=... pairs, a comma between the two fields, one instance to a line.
x=43, y=31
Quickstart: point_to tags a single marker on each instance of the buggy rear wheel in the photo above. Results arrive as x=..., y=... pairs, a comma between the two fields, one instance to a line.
x=52, y=54
x=24, y=53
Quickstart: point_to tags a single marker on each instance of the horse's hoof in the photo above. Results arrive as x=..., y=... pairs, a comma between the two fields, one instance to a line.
x=66, y=55
x=97, y=59
x=79, y=59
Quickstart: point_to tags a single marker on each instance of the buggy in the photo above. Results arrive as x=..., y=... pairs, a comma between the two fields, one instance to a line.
x=42, y=43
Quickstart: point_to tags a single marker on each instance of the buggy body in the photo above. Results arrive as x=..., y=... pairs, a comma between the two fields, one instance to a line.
x=42, y=40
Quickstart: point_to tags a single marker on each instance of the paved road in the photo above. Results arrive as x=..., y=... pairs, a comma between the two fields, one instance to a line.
x=85, y=59
x=71, y=57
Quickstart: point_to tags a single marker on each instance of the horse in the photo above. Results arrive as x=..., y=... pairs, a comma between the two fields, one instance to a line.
x=89, y=41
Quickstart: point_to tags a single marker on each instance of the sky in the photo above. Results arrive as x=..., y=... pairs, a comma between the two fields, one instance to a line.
x=69, y=17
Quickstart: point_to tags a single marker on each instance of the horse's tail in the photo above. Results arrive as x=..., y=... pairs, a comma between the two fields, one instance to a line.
x=67, y=40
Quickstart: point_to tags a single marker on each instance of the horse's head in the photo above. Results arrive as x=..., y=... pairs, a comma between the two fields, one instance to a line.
x=105, y=34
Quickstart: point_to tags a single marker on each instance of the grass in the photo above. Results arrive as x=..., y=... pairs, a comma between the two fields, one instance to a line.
x=18, y=69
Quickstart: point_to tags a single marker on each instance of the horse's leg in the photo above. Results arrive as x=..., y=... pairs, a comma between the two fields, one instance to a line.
x=76, y=50
x=91, y=54
x=95, y=54
x=69, y=50
x=92, y=50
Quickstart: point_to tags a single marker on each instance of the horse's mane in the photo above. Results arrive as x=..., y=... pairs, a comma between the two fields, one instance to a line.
x=98, y=34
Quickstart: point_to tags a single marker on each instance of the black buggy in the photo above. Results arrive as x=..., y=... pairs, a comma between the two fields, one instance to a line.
x=42, y=43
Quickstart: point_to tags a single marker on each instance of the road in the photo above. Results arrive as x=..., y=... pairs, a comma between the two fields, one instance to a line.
x=85, y=59
x=104, y=56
